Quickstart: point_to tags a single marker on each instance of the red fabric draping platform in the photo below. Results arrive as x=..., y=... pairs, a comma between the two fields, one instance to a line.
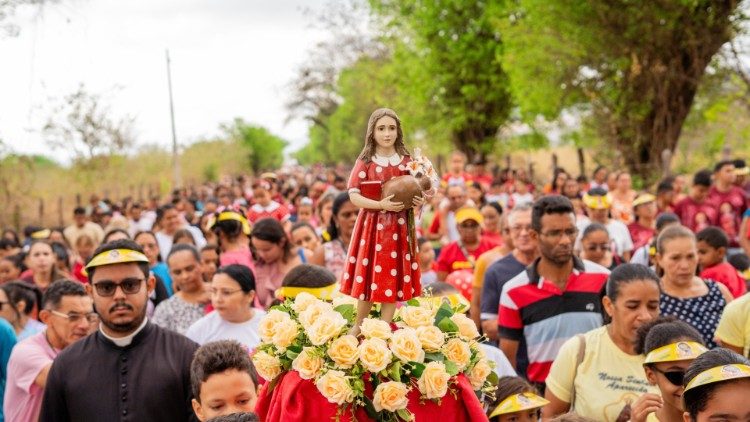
x=294, y=399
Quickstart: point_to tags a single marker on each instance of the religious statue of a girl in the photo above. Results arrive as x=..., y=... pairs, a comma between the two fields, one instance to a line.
x=382, y=263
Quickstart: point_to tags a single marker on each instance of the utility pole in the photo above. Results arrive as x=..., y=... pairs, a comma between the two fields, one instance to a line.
x=175, y=153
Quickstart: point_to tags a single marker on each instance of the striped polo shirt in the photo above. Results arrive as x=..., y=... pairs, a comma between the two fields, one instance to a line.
x=537, y=310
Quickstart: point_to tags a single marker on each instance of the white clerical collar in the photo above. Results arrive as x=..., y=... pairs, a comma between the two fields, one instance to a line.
x=124, y=341
x=393, y=160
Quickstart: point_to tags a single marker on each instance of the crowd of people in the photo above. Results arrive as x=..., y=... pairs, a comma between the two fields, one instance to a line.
x=597, y=301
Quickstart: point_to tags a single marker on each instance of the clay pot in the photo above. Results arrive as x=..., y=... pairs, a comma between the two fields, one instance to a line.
x=405, y=188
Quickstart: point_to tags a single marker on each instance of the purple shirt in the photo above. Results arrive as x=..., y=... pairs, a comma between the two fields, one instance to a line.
x=23, y=398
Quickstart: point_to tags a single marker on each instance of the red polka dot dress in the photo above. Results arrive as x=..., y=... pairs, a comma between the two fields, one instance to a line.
x=380, y=266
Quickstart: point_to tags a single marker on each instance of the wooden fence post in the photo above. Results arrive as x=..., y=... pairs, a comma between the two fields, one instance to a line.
x=17, y=217
x=41, y=212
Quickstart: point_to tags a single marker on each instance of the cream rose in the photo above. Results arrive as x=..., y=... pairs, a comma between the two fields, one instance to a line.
x=390, y=396
x=405, y=344
x=416, y=316
x=433, y=383
x=267, y=366
x=479, y=374
x=334, y=386
x=307, y=364
x=466, y=327
x=326, y=326
x=344, y=351
x=302, y=301
x=344, y=300
x=431, y=337
x=374, y=354
x=313, y=311
x=458, y=352
x=267, y=326
x=375, y=328
x=286, y=331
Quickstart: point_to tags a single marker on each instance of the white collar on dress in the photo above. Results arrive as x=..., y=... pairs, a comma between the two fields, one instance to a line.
x=393, y=160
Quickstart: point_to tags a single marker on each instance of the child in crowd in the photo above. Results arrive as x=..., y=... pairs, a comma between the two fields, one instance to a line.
x=223, y=380
x=304, y=236
x=426, y=261
x=741, y=263
x=11, y=268
x=515, y=400
x=670, y=346
x=717, y=385
x=712, y=248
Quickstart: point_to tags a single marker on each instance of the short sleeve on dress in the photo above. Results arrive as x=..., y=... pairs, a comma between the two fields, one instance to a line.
x=358, y=175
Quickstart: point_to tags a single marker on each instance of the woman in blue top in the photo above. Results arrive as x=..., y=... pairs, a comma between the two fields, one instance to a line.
x=147, y=241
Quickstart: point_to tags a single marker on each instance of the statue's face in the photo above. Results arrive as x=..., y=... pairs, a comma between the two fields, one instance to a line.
x=386, y=132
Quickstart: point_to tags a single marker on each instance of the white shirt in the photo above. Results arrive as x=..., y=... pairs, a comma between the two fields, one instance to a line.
x=503, y=367
x=212, y=327
x=165, y=241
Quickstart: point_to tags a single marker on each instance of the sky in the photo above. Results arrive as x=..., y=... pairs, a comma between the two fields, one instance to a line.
x=230, y=58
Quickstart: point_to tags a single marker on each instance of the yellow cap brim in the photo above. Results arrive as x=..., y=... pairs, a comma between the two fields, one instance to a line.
x=596, y=202
x=683, y=350
x=519, y=402
x=323, y=293
x=116, y=256
x=719, y=374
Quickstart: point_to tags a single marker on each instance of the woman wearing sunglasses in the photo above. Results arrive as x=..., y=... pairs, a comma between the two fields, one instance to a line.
x=596, y=246
x=670, y=346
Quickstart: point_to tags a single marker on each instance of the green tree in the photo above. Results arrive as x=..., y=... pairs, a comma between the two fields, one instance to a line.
x=449, y=57
x=265, y=151
x=632, y=67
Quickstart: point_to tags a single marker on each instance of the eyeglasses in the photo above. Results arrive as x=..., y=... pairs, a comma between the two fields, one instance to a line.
x=599, y=246
x=91, y=317
x=558, y=234
x=129, y=286
x=519, y=229
x=675, y=377
x=223, y=293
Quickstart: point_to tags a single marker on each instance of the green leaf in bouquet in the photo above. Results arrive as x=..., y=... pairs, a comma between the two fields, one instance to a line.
x=447, y=326
x=370, y=408
x=413, y=302
x=417, y=369
x=291, y=354
x=294, y=347
x=451, y=368
x=444, y=311
x=395, y=371
x=346, y=311
x=434, y=357
x=404, y=414
x=493, y=378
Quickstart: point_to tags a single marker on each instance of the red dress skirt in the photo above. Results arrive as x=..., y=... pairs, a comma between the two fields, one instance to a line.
x=380, y=266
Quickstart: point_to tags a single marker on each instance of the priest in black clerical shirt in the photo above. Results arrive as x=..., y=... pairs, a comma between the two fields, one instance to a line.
x=129, y=370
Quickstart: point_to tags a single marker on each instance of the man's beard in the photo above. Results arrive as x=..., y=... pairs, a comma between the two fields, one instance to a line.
x=125, y=327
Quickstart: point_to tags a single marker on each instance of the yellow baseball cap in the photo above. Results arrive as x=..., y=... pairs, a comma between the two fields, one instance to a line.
x=231, y=215
x=41, y=234
x=683, y=350
x=718, y=374
x=469, y=213
x=597, y=202
x=742, y=171
x=519, y=402
x=116, y=256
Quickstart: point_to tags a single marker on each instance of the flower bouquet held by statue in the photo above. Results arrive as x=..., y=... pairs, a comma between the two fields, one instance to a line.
x=430, y=354
x=387, y=183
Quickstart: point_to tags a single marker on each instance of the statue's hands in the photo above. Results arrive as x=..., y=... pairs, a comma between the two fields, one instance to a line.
x=387, y=205
x=418, y=201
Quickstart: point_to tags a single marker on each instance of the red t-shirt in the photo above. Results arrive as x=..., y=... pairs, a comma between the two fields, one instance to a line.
x=641, y=235
x=452, y=259
x=273, y=210
x=727, y=275
x=696, y=215
x=730, y=206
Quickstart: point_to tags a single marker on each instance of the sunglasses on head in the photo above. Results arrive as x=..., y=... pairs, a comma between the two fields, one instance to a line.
x=675, y=377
